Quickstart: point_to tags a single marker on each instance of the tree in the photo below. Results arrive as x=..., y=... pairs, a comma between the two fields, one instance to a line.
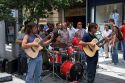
x=5, y=12
x=33, y=9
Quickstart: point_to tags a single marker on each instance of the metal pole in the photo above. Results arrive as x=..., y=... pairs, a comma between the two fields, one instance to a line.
x=86, y=13
x=2, y=39
x=15, y=48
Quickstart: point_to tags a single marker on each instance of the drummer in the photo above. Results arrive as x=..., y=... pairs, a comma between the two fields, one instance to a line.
x=58, y=47
x=80, y=56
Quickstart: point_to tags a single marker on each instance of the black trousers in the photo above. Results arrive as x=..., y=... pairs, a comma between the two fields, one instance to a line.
x=91, y=71
x=22, y=65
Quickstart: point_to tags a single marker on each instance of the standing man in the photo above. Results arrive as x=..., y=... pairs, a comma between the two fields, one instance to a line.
x=80, y=29
x=59, y=27
x=71, y=31
x=22, y=60
x=91, y=61
x=64, y=33
x=123, y=41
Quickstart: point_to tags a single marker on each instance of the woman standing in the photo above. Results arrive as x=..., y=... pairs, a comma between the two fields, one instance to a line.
x=114, y=45
x=34, y=64
x=106, y=33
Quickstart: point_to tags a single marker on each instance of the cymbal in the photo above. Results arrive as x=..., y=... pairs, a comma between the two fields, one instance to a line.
x=60, y=45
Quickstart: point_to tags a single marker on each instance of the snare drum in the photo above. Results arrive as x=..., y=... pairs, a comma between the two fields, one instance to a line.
x=57, y=58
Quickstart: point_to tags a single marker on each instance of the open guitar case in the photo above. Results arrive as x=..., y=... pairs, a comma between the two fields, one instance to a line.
x=6, y=78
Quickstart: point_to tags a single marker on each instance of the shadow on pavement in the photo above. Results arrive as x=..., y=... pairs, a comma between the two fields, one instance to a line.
x=101, y=78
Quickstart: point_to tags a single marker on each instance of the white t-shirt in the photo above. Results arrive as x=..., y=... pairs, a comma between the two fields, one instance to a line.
x=71, y=32
x=106, y=33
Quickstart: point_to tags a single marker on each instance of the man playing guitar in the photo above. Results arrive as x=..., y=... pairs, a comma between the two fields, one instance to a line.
x=88, y=42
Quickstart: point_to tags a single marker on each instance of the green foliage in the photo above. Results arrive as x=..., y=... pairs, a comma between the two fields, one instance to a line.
x=33, y=9
x=5, y=12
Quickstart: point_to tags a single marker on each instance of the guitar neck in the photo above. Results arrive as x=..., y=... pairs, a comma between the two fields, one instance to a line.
x=41, y=42
x=101, y=41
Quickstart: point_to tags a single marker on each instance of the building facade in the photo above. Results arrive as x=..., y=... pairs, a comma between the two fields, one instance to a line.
x=100, y=11
x=75, y=13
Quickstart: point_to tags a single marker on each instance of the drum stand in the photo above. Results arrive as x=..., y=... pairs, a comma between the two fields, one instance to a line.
x=67, y=75
x=53, y=72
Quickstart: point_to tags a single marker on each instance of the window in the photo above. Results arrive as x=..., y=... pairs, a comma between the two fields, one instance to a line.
x=105, y=12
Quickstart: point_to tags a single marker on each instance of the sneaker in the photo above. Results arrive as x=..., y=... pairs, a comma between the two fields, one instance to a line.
x=97, y=66
x=106, y=57
x=115, y=63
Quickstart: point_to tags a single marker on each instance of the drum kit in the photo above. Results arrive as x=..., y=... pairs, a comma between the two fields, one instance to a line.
x=65, y=66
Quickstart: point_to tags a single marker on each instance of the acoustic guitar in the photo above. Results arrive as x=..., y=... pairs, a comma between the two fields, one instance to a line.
x=91, y=50
x=33, y=51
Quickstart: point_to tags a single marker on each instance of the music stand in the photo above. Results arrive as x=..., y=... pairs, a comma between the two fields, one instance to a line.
x=53, y=65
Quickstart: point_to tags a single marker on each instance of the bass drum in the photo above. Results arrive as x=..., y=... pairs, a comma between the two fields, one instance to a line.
x=71, y=71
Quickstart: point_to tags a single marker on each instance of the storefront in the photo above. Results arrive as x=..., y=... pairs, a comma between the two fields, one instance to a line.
x=76, y=14
x=100, y=11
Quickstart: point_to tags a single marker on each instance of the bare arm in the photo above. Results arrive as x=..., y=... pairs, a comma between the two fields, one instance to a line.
x=25, y=43
x=19, y=42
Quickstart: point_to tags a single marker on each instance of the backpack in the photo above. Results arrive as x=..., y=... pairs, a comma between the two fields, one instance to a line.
x=120, y=35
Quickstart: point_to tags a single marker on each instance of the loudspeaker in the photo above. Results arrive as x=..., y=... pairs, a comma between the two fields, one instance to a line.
x=2, y=64
x=11, y=66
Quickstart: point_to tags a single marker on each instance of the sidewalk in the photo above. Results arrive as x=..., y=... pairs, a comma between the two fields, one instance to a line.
x=110, y=73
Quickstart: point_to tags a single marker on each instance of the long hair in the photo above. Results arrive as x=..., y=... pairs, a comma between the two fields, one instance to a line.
x=29, y=27
x=115, y=29
x=55, y=37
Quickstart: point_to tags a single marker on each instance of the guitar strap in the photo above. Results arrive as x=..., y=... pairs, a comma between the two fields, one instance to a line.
x=38, y=36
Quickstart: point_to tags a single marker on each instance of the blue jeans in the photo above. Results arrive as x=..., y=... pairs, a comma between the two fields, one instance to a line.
x=100, y=51
x=34, y=70
x=123, y=44
x=91, y=71
x=114, y=53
